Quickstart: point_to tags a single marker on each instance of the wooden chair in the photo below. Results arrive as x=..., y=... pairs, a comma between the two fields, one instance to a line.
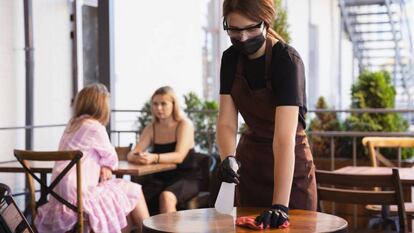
x=12, y=219
x=74, y=157
x=363, y=189
x=122, y=152
x=374, y=143
x=4, y=191
x=202, y=200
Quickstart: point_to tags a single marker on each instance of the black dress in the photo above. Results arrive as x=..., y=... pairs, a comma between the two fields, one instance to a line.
x=184, y=181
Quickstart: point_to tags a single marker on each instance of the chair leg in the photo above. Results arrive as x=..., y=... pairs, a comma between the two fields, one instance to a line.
x=373, y=222
x=384, y=223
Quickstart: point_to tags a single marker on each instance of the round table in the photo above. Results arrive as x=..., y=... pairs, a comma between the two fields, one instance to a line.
x=209, y=220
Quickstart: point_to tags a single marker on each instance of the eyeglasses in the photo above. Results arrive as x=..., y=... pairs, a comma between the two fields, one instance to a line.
x=251, y=31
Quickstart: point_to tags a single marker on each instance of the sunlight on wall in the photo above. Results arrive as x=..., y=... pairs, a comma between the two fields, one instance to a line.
x=157, y=43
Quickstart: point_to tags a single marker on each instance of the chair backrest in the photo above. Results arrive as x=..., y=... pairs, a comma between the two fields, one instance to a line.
x=4, y=191
x=363, y=189
x=11, y=218
x=122, y=152
x=24, y=157
x=204, y=161
x=374, y=143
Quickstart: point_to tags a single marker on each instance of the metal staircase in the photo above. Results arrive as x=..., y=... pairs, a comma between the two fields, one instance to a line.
x=380, y=33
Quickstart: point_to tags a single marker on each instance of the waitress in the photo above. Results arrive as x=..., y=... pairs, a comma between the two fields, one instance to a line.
x=263, y=79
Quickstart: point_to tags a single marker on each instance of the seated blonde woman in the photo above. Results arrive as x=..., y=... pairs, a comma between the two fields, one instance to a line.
x=169, y=139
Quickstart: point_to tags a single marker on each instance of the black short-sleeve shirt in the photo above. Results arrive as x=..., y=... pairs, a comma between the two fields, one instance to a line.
x=288, y=76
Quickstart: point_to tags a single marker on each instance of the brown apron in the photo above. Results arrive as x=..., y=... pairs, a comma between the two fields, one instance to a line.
x=255, y=148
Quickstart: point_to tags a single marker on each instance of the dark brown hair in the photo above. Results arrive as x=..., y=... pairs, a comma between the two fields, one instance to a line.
x=257, y=10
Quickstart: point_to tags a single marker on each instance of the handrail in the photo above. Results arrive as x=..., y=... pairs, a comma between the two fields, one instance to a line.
x=359, y=110
x=330, y=134
x=351, y=110
x=355, y=110
x=136, y=110
x=407, y=25
x=317, y=133
x=32, y=127
x=355, y=46
x=359, y=134
x=363, y=110
x=8, y=161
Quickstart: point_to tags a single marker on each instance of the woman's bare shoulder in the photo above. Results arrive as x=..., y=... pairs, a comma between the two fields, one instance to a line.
x=148, y=129
x=185, y=122
x=186, y=125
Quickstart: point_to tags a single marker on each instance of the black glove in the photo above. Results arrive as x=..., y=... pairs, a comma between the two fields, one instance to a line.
x=226, y=173
x=275, y=217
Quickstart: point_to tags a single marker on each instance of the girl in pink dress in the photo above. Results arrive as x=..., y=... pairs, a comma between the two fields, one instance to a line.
x=107, y=202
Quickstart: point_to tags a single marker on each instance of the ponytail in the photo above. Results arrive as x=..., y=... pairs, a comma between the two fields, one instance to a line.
x=273, y=34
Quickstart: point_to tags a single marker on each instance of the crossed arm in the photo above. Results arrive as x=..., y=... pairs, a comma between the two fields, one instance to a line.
x=185, y=141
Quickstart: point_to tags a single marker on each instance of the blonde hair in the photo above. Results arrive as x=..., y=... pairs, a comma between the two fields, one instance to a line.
x=257, y=10
x=167, y=90
x=92, y=100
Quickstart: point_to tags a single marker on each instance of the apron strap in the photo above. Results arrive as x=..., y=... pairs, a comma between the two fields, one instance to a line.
x=268, y=63
x=240, y=63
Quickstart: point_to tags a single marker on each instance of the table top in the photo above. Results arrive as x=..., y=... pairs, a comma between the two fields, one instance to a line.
x=127, y=168
x=124, y=168
x=209, y=220
x=406, y=173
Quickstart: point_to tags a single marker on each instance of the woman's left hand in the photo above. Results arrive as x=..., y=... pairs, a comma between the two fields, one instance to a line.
x=275, y=217
x=106, y=174
x=147, y=158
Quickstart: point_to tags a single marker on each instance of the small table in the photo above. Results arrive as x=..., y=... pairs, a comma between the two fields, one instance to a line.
x=127, y=168
x=406, y=173
x=124, y=168
x=209, y=220
x=406, y=177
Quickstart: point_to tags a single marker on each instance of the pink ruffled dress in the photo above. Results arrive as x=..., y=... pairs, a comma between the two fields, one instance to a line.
x=106, y=203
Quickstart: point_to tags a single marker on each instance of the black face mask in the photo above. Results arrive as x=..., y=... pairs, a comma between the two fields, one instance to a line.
x=249, y=46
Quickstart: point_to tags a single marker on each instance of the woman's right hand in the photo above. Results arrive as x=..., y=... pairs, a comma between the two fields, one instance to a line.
x=145, y=158
x=134, y=156
x=105, y=174
x=228, y=170
x=136, y=153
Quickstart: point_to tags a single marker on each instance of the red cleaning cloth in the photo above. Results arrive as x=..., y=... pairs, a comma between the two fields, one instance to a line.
x=250, y=223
